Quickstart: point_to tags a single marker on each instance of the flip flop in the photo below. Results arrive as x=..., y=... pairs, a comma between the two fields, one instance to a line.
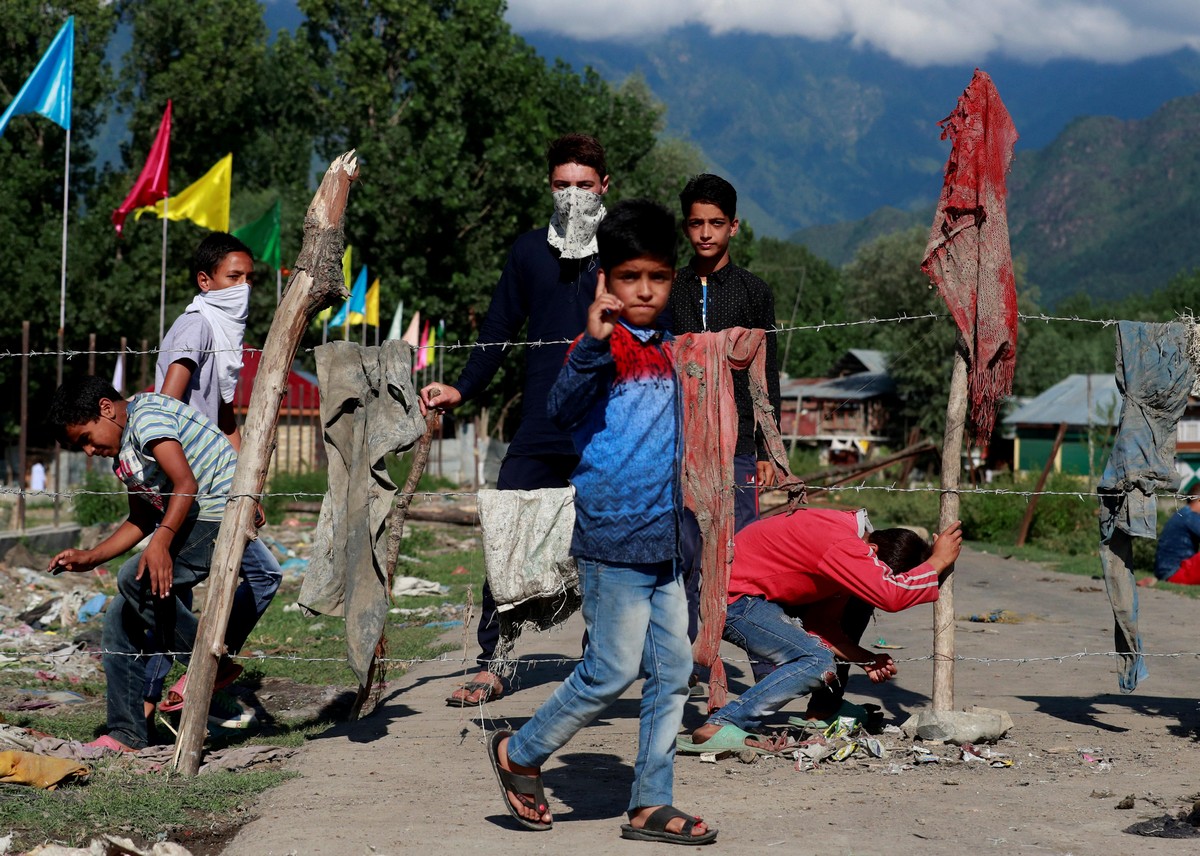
x=226, y=675
x=518, y=785
x=488, y=692
x=655, y=828
x=729, y=739
x=110, y=743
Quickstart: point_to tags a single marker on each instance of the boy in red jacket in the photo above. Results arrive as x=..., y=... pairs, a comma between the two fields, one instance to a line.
x=815, y=559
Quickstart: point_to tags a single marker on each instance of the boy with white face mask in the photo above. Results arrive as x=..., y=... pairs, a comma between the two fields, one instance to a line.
x=201, y=355
x=199, y=362
x=549, y=281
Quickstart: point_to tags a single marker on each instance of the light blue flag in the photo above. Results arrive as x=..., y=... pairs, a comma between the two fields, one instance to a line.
x=353, y=310
x=48, y=89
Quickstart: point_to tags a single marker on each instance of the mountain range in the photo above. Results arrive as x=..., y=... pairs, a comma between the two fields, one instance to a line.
x=832, y=145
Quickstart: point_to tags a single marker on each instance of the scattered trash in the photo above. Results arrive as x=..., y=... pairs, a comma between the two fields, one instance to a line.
x=25, y=768
x=921, y=755
x=971, y=754
x=91, y=608
x=114, y=845
x=294, y=567
x=885, y=645
x=1126, y=803
x=1102, y=795
x=996, y=616
x=1101, y=764
x=417, y=587
x=459, y=570
x=1186, y=825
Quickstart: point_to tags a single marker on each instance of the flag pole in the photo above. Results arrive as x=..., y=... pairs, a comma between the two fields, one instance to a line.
x=62, y=318
x=162, y=283
x=278, y=285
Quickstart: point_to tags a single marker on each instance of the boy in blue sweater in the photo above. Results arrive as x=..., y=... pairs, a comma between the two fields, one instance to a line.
x=618, y=398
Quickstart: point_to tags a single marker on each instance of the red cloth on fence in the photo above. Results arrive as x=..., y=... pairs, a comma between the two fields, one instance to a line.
x=968, y=256
x=710, y=428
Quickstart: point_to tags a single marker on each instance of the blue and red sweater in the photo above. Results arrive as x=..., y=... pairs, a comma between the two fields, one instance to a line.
x=619, y=400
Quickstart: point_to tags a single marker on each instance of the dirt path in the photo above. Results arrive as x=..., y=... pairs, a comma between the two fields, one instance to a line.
x=414, y=776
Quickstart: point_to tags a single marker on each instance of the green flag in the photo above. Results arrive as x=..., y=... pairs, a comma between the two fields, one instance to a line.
x=262, y=237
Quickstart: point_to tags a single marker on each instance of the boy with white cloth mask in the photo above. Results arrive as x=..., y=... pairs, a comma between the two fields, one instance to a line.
x=201, y=355
x=199, y=362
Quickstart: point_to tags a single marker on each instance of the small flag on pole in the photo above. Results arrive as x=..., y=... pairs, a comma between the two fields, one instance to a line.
x=372, y=310
x=48, y=89
x=413, y=334
x=397, y=321
x=205, y=203
x=263, y=237
x=353, y=309
x=151, y=184
x=118, y=379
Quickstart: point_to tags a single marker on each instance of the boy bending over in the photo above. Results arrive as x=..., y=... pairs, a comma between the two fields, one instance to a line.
x=815, y=559
x=178, y=468
x=199, y=363
x=618, y=397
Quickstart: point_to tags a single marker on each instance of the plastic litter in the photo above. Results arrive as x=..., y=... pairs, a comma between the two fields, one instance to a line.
x=91, y=608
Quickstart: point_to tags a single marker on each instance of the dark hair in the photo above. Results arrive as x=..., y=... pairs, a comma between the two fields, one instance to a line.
x=213, y=250
x=577, y=148
x=709, y=188
x=77, y=402
x=900, y=549
x=634, y=229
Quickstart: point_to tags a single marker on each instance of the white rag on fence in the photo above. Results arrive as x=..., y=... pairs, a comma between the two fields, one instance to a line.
x=527, y=543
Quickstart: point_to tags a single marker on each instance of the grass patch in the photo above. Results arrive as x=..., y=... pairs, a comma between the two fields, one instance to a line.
x=145, y=806
x=149, y=807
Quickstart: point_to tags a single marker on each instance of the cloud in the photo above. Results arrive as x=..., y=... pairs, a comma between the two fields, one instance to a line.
x=916, y=32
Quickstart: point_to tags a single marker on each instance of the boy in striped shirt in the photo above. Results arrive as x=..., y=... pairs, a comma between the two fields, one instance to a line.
x=178, y=469
x=814, y=561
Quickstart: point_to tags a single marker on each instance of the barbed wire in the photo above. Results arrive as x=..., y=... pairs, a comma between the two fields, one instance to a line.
x=818, y=326
x=540, y=660
x=1082, y=495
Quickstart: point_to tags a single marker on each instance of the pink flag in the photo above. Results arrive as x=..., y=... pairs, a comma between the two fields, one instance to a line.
x=151, y=185
x=423, y=350
x=414, y=330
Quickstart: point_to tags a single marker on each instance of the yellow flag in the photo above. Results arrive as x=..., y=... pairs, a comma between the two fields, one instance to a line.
x=205, y=203
x=327, y=313
x=373, y=303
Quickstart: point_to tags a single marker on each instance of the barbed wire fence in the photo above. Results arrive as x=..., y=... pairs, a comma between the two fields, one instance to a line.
x=10, y=646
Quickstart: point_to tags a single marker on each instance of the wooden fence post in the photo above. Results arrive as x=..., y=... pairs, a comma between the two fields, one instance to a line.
x=316, y=282
x=943, y=608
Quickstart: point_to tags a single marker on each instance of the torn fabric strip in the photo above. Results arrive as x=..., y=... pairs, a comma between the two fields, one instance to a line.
x=368, y=410
x=703, y=362
x=1155, y=375
x=968, y=256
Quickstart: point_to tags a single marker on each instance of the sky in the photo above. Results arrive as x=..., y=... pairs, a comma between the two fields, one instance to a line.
x=916, y=32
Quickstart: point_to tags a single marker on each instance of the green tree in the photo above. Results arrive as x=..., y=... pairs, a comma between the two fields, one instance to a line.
x=450, y=113
x=808, y=291
x=885, y=281
x=32, y=153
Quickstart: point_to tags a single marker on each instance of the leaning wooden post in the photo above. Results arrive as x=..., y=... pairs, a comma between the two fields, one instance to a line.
x=943, y=607
x=1027, y=520
x=316, y=282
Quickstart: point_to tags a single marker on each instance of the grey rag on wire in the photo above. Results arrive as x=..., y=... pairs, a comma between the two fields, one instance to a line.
x=527, y=543
x=526, y=551
x=1155, y=374
x=368, y=409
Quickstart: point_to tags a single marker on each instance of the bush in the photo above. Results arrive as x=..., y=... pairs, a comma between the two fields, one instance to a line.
x=102, y=499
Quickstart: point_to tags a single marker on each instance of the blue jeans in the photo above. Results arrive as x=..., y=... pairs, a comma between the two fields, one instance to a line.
x=134, y=611
x=636, y=618
x=261, y=576
x=765, y=631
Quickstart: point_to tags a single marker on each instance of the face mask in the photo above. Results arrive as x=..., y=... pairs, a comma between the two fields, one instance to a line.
x=577, y=213
x=233, y=302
